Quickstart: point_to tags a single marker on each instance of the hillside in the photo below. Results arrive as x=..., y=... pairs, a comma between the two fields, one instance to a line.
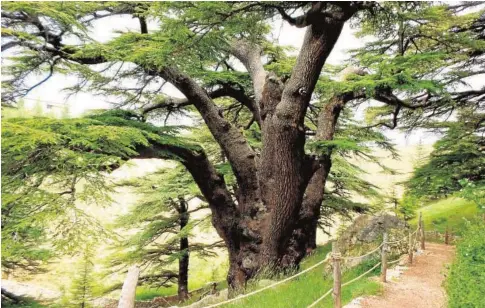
x=388, y=184
x=451, y=212
x=201, y=271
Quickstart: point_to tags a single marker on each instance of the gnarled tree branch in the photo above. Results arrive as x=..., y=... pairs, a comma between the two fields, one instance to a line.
x=231, y=140
x=209, y=181
x=250, y=56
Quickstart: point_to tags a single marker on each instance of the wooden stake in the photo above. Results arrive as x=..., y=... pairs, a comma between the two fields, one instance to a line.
x=337, y=276
x=410, y=252
x=421, y=230
x=127, y=299
x=384, y=258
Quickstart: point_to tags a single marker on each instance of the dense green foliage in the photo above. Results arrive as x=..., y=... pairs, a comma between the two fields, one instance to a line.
x=415, y=41
x=181, y=26
x=154, y=230
x=48, y=165
x=466, y=280
x=456, y=162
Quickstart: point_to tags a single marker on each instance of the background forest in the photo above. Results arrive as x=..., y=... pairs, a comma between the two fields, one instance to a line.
x=205, y=149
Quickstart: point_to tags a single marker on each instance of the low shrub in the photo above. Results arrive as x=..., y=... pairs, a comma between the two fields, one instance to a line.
x=466, y=281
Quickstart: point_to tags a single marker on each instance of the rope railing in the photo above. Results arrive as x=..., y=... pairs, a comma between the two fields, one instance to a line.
x=365, y=255
x=336, y=258
x=343, y=285
x=448, y=236
x=321, y=298
x=398, y=241
x=241, y=297
x=270, y=286
x=357, y=278
x=412, y=237
x=393, y=262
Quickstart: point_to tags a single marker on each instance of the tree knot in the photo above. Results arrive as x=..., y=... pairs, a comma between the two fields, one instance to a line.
x=302, y=91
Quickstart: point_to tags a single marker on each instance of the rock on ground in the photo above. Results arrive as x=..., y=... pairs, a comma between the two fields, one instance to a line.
x=30, y=290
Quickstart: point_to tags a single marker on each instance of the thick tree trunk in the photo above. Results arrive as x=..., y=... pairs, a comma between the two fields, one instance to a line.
x=305, y=228
x=269, y=236
x=183, y=273
x=304, y=232
x=285, y=169
x=257, y=222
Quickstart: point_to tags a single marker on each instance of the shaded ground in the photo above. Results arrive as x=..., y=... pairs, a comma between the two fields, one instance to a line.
x=420, y=285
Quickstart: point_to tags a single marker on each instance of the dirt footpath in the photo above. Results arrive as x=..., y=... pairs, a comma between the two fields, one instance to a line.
x=420, y=285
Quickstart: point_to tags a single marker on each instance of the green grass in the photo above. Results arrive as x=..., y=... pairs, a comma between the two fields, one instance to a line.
x=300, y=292
x=303, y=290
x=451, y=212
x=466, y=279
x=319, y=254
x=144, y=293
x=201, y=272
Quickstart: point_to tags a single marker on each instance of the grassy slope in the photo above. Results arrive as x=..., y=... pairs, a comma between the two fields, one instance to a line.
x=452, y=212
x=303, y=290
x=201, y=271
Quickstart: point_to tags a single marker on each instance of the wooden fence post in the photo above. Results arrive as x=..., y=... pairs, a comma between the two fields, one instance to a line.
x=410, y=252
x=447, y=236
x=421, y=230
x=384, y=258
x=128, y=292
x=337, y=276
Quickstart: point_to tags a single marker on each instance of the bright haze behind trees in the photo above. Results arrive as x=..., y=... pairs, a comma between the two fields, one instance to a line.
x=268, y=216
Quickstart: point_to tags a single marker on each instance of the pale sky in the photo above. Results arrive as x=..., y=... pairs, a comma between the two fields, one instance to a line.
x=104, y=30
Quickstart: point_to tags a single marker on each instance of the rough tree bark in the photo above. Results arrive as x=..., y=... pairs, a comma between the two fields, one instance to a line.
x=284, y=170
x=304, y=230
x=303, y=238
x=183, y=273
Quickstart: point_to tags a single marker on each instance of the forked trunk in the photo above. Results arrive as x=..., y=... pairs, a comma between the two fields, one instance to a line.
x=273, y=229
x=262, y=219
x=263, y=241
x=304, y=234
